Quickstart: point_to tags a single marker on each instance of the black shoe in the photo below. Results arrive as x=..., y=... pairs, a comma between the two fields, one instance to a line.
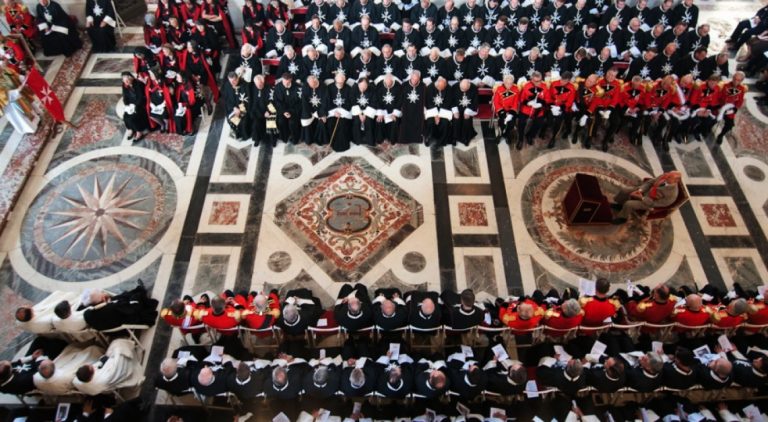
x=665, y=146
x=678, y=139
x=529, y=141
x=616, y=207
x=551, y=143
x=566, y=134
x=587, y=145
x=605, y=146
x=574, y=140
x=618, y=221
x=697, y=137
x=519, y=145
x=719, y=139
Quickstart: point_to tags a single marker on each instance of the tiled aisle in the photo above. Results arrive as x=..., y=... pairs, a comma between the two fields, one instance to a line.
x=206, y=212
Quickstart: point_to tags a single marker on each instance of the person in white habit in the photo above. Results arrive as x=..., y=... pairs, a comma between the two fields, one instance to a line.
x=38, y=319
x=15, y=114
x=54, y=377
x=120, y=367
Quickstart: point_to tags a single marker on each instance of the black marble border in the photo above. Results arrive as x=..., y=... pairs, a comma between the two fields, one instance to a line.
x=443, y=223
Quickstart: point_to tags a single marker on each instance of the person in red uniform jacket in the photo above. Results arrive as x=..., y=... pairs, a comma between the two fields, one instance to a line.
x=13, y=55
x=587, y=101
x=180, y=314
x=705, y=102
x=693, y=314
x=731, y=100
x=679, y=113
x=656, y=309
x=758, y=312
x=599, y=307
x=561, y=95
x=20, y=19
x=609, y=103
x=632, y=106
x=220, y=317
x=521, y=316
x=732, y=315
x=658, y=97
x=533, y=101
x=264, y=312
x=564, y=317
x=506, y=99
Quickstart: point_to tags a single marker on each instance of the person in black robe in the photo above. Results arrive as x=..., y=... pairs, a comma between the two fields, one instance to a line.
x=58, y=33
x=100, y=24
x=423, y=309
x=314, y=64
x=135, y=110
x=291, y=63
x=339, y=36
x=438, y=115
x=353, y=308
x=388, y=64
x=365, y=36
x=248, y=65
x=287, y=101
x=133, y=307
x=434, y=66
x=300, y=310
x=260, y=100
x=456, y=67
x=211, y=380
x=278, y=38
x=339, y=100
x=237, y=99
x=464, y=110
x=388, y=114
x=17, y=377
x=174, y=376
x=412, y=100
x=396, y=379
x=365, y=66
x=285, y=382
x=245, y=382
x=430, y=379
x=337, y=64
x=314, y=112
x=358, y=382
x=363, y=113
x=482, y=68
x=466, y=377
x=322, y=381
x=461, y=310
x=569, y=378
x=316, y=35
x=410, y=63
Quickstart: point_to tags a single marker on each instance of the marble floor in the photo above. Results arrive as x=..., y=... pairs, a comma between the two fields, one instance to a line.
x=206, y=212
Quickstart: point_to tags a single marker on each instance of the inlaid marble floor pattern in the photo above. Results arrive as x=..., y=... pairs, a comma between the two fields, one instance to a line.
x=207, y=212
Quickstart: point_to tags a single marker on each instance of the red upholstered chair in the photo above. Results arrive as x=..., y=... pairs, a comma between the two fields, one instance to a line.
x=664, y=212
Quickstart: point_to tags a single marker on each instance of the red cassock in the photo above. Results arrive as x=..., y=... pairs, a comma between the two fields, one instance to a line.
x=20, y=20
x=690, y=318
x=611, y=93
x=531, y=91
x=154, y=36
x=165, y=11
x=596, y=310
x=192, y=14
x=506, y=99
x=562, y=94
x=554, y=318
x=509, y=316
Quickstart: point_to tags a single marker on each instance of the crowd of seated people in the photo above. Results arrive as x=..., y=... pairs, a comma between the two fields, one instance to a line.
x=81, y=344
x=365, y=73
x=602, y=355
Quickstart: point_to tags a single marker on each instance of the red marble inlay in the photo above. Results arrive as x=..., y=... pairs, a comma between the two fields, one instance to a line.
x=94, y=126
x=472, y=214
x=718, y=215
x=224, y=213
x=11, y=301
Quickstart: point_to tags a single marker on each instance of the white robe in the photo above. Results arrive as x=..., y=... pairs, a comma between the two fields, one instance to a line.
x=122, y=369
x=66, y=366
x=16, y=115
x=42, y=313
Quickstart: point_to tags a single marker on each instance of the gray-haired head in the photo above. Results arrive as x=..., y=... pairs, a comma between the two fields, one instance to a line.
x=571, y=308
x=357, y=378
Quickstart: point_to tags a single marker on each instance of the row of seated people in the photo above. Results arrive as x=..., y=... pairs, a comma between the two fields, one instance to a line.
x=385, y=369
x=95, y=309
x=390, y=310
x=52, y=367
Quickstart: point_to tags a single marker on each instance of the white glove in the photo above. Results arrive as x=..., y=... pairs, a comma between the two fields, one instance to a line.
x=605, y=113
x=130, y=109
x=508, y=118
x=583, y=120
x=574, y=107
x=556, y=110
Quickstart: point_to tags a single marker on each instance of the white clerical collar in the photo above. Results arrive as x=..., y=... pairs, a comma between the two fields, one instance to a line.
x=319, y=385
x=758, y=373
x=466, y=379
x=393, y=388
x=568, y=377
x=176, y=375
x=649, y=375
x=609, y=377
x=421, y=314
x=680, y=370
x=280, y=388
x=291, y=324
x=7, y=381
x=717, y=377
x=247, y=380
x=359, y=314
x=467, y=313
x=429, y=385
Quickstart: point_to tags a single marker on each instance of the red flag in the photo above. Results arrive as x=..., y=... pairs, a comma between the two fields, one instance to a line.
x=40, y=87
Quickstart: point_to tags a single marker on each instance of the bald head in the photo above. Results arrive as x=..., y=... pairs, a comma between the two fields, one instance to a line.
x=46, y=368
x=388, y=307
x=168, y=367
x=205, y=377
x=427, y=306
x=525, y=311
x=693, y=302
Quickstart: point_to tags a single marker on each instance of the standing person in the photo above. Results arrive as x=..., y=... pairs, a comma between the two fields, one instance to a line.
x=438, y=114
x=237, y=98
x=287, y=102
x=59, y=32
x=187, y=105
x=260, y=103
x=412, y=100
x=100, y=24
x=464, y=110
x=363, y=113
x=135, y=112
x=339, y=98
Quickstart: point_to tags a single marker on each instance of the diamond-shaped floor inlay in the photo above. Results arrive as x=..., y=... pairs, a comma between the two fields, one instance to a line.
x=348, y=217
